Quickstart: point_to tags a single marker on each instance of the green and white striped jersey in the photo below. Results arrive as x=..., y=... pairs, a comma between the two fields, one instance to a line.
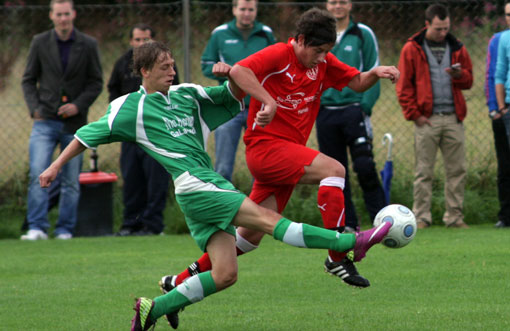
x=172, y=128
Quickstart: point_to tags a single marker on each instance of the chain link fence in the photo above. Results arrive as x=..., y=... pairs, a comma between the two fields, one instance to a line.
x=186, y=27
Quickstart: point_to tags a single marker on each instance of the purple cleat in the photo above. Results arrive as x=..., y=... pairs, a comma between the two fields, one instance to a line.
x=142, y=320
x=367, y=239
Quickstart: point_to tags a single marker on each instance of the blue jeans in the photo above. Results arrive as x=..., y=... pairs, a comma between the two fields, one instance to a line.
x=226, y=141
x=45, y=136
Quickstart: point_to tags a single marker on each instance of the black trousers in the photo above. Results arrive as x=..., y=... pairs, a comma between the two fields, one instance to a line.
x=503, y=156
x=145, y=189
x=342, y=130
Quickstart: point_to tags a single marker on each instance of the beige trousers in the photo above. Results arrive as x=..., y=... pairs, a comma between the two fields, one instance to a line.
x=447, y=134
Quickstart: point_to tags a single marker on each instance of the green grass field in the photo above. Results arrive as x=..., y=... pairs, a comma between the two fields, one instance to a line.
x=444, y=280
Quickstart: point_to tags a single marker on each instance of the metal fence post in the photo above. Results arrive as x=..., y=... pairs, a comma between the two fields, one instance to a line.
x=186, y=40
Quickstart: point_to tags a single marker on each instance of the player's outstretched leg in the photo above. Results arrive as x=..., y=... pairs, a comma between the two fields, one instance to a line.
x=330, y=200
x=167, y=284
x=304, y=235
x=194, y=289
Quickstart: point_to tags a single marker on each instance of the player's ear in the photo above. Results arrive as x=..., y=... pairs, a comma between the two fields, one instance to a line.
x=301, y=40
x=145, y=72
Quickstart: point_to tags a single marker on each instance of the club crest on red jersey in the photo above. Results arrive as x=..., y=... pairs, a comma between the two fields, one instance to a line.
x=312, y=73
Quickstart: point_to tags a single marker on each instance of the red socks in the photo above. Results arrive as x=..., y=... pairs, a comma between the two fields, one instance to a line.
x=204, y=263
x=330, y=200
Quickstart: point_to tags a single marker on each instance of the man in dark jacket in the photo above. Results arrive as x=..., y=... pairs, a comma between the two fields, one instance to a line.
x=145, y=180
x=343, y=124
x=62, y=79
x=435, y=67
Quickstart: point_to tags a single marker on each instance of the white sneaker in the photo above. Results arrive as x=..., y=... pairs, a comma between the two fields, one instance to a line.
x=64, y=236
x=34, y=235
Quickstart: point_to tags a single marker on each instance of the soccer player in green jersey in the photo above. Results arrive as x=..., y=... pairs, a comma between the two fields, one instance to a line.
x=172, y=123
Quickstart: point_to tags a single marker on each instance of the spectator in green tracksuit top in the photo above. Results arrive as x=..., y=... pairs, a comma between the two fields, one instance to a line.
x=230, y=43
x=343, y=122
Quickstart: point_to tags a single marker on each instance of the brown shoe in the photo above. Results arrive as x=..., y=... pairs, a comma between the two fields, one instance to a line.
x=423, y=225
x=458, y=225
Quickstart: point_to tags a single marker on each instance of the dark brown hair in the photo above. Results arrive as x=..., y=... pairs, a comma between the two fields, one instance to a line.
x=318, y=27
x=147, y=55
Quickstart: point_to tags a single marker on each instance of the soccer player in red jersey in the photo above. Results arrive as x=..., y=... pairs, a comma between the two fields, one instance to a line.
x=286, y=82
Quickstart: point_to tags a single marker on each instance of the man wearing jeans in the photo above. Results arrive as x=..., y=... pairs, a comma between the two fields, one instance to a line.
x=229, y=43
x=62, y=79
x=498, y=98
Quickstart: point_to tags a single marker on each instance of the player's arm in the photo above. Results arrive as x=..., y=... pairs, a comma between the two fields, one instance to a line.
x=221, y=69
x=49, y=175
x=248, y=82
x=365, y=80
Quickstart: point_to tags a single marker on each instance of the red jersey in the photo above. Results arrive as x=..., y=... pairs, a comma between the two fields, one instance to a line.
x=296, y=89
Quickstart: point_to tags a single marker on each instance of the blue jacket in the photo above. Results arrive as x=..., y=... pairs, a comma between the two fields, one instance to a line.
x=490, y=72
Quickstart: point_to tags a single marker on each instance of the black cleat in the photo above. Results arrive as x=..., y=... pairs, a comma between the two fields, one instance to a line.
x=346, y=270
x=166, y=284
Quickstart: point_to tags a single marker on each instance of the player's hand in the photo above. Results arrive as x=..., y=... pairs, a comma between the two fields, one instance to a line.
x=422, y=120
x=265, y=116
x=221, y=69
x=48, y=176
x=67, y=110
x=388, y=72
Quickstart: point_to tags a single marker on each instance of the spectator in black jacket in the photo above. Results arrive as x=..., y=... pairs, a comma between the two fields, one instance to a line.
x=62, y=79
x=145, y=180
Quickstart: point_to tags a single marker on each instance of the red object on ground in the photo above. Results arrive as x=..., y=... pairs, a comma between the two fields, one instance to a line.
x=97, y=177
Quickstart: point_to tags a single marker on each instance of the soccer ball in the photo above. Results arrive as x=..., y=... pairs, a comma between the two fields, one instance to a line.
x=403, y=226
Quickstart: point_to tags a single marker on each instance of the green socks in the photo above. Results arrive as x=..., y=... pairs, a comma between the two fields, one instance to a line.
x=304, y=235
x=190, y=291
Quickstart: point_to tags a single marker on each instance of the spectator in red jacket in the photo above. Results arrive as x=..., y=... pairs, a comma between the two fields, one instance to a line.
x=435, y=67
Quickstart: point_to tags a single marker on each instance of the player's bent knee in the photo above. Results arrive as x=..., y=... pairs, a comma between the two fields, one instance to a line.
x=225, y=277
x=334, y=169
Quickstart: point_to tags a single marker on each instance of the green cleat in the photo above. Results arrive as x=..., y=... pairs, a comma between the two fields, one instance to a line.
x=142, y=321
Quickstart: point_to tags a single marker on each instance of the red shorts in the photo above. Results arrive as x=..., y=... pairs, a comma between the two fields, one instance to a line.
x=277, y=166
